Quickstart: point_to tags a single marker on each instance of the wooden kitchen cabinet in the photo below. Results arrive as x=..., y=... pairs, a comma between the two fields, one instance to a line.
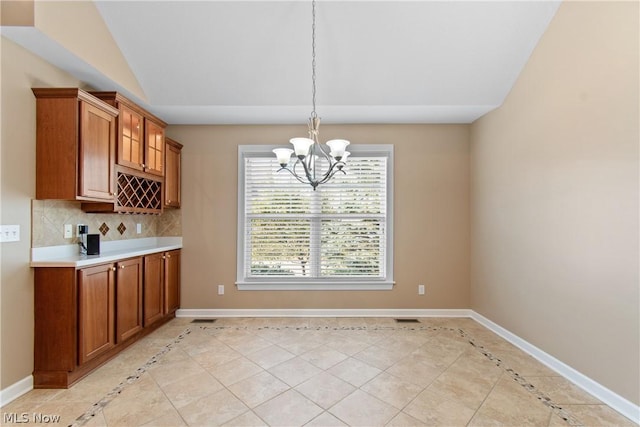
x=131, y=143
x=154, y=147
x=153, y=288
x=83, y=317
x=75, y=145
x=172, y=175
x=172, y=282
x=128, y=298
x=140, y=137
x=96, y=311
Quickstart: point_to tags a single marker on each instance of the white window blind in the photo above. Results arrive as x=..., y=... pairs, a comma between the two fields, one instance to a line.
x=336, y=235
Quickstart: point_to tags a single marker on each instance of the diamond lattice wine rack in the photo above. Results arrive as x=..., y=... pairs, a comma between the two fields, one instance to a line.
x=135, y=193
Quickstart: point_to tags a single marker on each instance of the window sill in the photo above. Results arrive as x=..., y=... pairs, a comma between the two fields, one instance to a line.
x=315, y=286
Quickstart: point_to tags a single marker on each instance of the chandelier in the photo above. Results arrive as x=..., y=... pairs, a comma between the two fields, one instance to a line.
x=318, y=165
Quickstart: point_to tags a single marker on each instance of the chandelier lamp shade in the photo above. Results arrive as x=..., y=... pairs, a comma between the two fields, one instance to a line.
x=313, y=164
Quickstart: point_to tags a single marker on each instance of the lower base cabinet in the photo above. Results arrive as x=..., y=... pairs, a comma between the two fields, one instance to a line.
x=85, y=317
x=128, y=298
x=171, y=282
x=153, y=288
x=95, y=311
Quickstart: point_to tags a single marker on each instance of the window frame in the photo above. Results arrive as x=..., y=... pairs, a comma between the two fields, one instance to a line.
x=270, y=283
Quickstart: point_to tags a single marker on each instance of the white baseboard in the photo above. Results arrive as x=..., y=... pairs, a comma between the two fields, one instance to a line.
x=615, y=401
x=295, y=312
x=14, y=391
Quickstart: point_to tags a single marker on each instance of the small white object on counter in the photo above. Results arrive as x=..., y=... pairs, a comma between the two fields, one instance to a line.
x=69, y=256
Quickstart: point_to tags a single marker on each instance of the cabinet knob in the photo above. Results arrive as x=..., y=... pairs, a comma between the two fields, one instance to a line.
x=168, y=200
x=143, y=165
x=168, y=256
x=113, y=269
x=164, y=257
x=122, y=266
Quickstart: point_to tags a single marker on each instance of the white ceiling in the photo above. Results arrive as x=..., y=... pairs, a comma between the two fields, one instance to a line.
x=249, y=62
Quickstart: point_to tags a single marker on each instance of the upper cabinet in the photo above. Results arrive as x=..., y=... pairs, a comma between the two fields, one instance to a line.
x=75, y=146
x=172, y=174
x=154, y=147
x=104, y=150
x=131, y=131
x=140, y=140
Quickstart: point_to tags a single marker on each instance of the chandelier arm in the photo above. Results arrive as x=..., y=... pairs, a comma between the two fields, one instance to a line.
x=310, y=179
x=331, y=172
x=324, y=153
x=293, y=174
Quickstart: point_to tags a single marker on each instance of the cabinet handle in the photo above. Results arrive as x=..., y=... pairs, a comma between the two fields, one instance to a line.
x=143, y=165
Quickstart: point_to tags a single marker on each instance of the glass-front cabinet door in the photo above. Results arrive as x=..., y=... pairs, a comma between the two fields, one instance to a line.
x=154, y=148
x=131, y=146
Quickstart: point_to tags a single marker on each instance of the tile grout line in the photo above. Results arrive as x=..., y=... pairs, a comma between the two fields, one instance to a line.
x=166, y=397
x=545, y=400
x=131, y=379
x=522, y=381
x=487, y=396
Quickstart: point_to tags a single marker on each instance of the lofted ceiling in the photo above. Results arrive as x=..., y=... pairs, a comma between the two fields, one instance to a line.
x=249, y=62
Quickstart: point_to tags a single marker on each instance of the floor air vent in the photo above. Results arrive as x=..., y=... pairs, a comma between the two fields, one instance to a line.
x=203, y=320
x=407, y=320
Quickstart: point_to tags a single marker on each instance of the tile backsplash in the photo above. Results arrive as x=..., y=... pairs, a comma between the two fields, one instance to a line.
x=49, y=217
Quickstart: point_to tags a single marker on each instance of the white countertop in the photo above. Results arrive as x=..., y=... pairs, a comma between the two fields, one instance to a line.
x=69, y=255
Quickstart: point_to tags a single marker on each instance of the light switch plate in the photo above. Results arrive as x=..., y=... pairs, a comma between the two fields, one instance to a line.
x=9, y=233
x=68, y=231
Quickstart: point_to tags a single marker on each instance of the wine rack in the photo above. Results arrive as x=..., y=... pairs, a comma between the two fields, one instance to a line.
x=135, y=193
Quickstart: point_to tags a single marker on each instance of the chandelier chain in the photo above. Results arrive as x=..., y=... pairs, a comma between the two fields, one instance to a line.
x=313, y=57
x=309, y=153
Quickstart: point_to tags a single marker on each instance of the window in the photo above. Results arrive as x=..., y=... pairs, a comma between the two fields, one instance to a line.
x=337, y=237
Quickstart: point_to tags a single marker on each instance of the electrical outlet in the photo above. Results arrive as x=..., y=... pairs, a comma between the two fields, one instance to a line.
x=138, y=228
x=68, y=231
x=420, y=289
x=220, y=289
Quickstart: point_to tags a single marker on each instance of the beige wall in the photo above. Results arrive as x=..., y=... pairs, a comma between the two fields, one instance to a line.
x=20, y=72
x=553, y=214
x=79, y=27
x=555, y=197
x=431, y=216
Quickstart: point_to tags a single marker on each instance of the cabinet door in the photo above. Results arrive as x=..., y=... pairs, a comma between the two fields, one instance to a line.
x=172, y=174
x=154, y=148
x=131, y=141
x=96, y=311
x=153, y=288
x=128, y=298
x=172, y=281
x=97, y=153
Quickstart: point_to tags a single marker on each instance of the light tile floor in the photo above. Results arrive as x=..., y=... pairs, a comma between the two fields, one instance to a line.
x=319, y=372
